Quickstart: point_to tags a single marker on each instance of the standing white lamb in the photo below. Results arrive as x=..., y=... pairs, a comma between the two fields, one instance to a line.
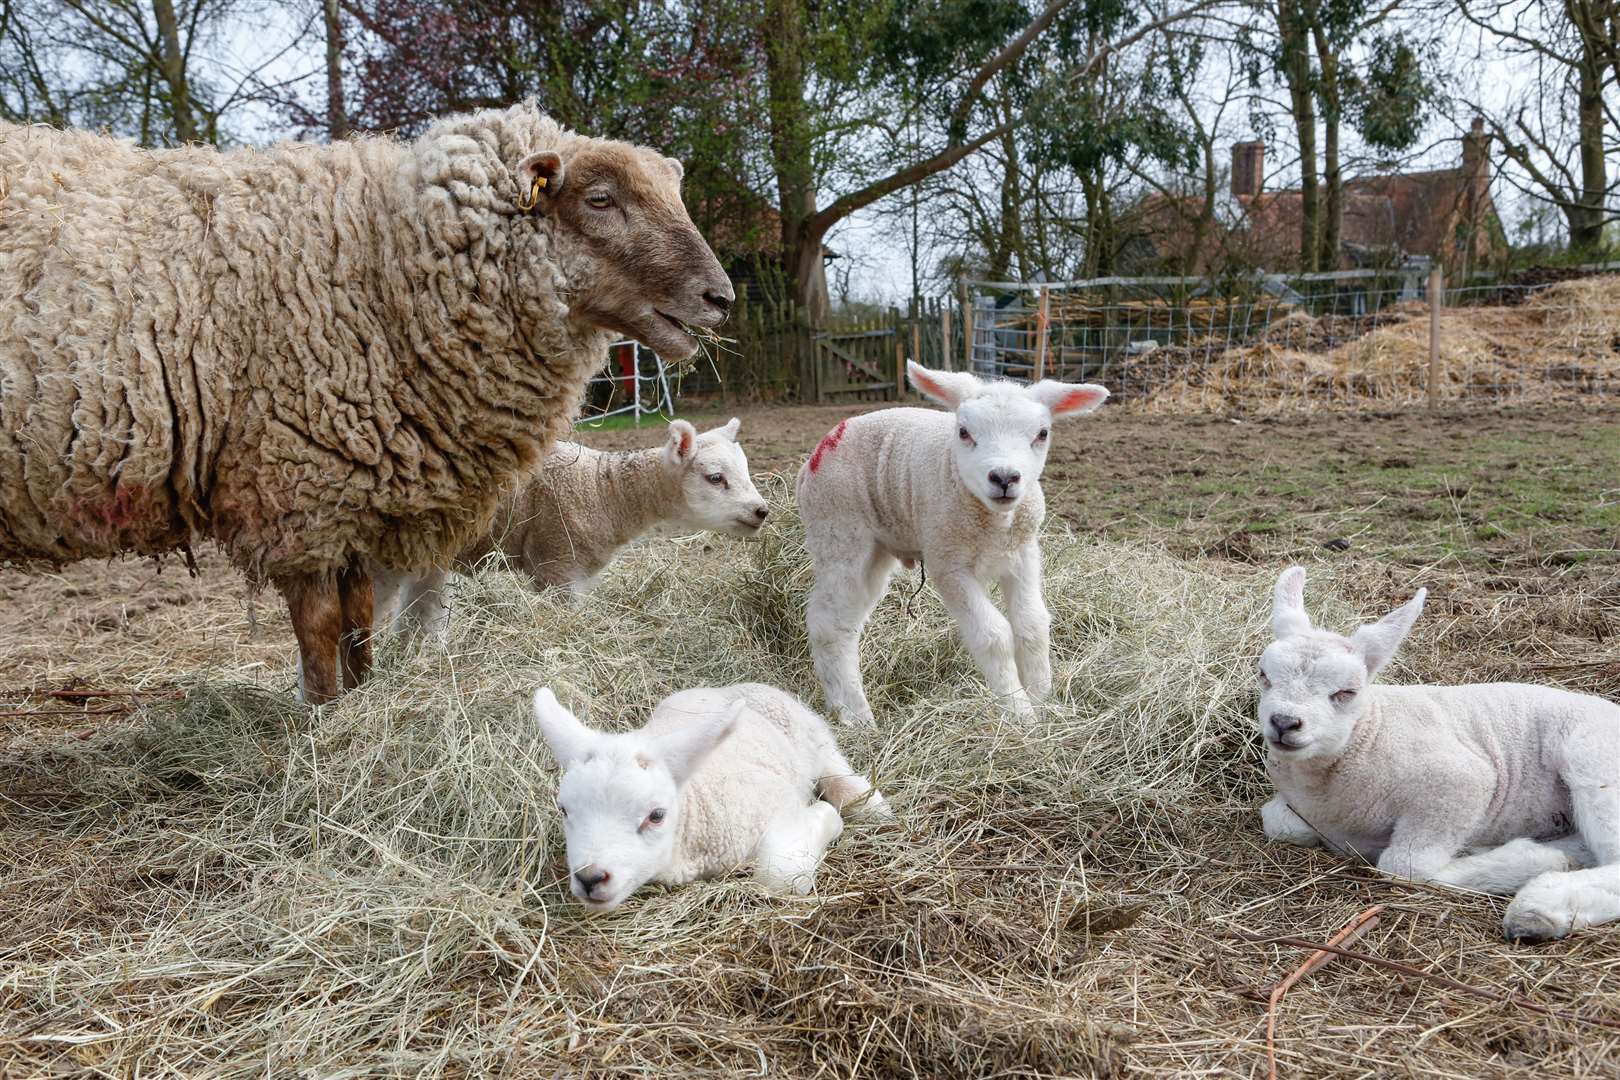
x=718, y=778
x=566, y=523
x=1499, y=787
x=959, y=492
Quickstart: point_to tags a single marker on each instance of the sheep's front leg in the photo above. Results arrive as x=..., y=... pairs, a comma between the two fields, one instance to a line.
x=842, y=599
x=317, y=618
x=1556, y=904
x=355, y=602
x=1031, y=622
x=1281, y=823
x=790, y=851
x=987, y=634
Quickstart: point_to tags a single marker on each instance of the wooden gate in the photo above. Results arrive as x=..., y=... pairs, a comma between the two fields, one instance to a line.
x=862, y=365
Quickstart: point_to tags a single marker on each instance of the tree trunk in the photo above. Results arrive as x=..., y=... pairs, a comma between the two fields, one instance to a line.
x=786, y=49
x=1331, y=226
x=1296, y=67
x=1586, y=219
x=172, y=63
x=1011, y=246
x=337, y=117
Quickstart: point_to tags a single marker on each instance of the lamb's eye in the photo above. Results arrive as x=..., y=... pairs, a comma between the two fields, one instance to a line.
x=962, y=433
x=656, y=817
x=563, y=809
x=1265, y=682
x=600, y=201
x=1343, y=696
x=1041, y=435
x=717, y=479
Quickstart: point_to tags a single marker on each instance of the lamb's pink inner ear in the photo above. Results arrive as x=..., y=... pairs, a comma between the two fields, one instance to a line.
x=682, y=437
x=1080, y=399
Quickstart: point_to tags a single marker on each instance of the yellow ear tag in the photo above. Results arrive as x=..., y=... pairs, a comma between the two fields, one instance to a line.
x=534, y=195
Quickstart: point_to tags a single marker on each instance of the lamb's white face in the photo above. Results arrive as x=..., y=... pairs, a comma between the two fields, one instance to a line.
x=719, y=494
x=620, y=798
x=1312, y=681
x=1003, y=430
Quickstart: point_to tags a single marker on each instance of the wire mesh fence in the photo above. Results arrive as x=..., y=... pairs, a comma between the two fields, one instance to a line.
x=1359, y=339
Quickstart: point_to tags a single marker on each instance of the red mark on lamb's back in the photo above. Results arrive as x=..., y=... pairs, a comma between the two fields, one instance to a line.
x=827, y=445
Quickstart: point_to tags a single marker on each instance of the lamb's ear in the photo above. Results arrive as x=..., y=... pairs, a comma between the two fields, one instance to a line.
x=684, y=750
x=545, y=169
x=1068, y=399
x=1288, y=616
x=730, y=430
x=569, y=739
x=677, y=168
x=1378, y=641
x=682, y=441
x=949, y=388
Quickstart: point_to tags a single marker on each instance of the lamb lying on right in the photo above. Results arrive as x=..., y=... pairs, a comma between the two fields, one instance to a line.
x=1503, y=788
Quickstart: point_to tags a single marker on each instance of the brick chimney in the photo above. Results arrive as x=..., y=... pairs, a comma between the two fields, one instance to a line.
x=1248, y=168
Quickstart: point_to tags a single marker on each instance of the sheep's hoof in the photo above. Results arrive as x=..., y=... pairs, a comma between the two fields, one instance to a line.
x=1524, y=924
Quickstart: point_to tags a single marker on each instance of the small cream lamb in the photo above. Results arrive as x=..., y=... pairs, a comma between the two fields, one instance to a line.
x=718, y=778
x=567, y=522
x=958, y=492
x=1499, y=787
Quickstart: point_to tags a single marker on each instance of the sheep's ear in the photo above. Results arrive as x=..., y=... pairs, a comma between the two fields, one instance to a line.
x=677, y=168
x=1288, y=616
x=544, y=167
x=730, y=430
x=949, y=388
x=682, y=441
x=684, y=750
x=1378, y=641
x=1068, y=399
x=569, y=739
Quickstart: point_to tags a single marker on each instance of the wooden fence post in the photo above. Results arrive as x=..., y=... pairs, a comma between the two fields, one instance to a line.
x=967, y=324
x=916, y=346
x=899, y=358
x=1437, y=297
x=1043, y=318
x=945, y=343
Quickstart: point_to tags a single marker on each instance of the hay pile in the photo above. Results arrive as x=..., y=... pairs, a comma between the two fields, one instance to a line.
x=1562, y=343
x=222, y=887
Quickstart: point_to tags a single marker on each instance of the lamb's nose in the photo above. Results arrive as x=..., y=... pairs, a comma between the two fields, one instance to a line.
x=1004, y=478
x=761, y=512
x=1282, y=723
x=589, y=877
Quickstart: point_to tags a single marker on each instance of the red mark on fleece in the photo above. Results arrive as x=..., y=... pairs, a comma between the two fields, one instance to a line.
x=827, y=445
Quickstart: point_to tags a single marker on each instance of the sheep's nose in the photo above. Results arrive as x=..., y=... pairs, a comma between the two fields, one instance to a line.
x=1282, y=723
x=1005, y=478
x=589, y=877
x=719, y=299
x=762, y=512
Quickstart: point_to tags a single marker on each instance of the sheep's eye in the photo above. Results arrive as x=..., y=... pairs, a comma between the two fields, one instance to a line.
x=1265, y=682
x=1041, y=435
x=1343, y=696
x=656, y=817
x=962, y=433
x=600, y=201
x=717, y=479
x=563, y=808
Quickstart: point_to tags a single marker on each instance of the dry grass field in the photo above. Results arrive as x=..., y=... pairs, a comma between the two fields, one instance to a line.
x=200, y=880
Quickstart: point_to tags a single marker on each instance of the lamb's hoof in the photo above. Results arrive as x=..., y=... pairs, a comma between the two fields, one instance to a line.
x=873, y=808
x=857, y=720
x=1528, y=924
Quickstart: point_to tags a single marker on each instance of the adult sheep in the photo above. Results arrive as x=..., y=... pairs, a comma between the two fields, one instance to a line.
x=317, y=354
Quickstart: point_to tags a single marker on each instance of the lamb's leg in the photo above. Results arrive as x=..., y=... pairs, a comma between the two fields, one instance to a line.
x=317, y=618
x=422, y=608
x=1281, y=823
x=846, y=789
x=1507, y=868
x=840, y=602
x=1556, y=904
x=355, y=600
x=987, y=635
x=1031, y=622
x=790, y=851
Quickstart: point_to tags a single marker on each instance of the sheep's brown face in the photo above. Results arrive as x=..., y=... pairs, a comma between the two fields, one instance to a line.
x=655, y=275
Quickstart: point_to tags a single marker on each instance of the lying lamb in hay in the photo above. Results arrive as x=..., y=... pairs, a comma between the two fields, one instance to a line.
x=720, y=777
x=1501, y=787
x=318, y=355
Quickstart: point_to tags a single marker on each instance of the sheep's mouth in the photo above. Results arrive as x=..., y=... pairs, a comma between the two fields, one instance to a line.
x=1005, y=502
x=1283, y=743
x=749, y=526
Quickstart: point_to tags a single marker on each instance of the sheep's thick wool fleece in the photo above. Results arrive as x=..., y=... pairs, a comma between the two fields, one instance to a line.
x=770, y=763
x=306, y=352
